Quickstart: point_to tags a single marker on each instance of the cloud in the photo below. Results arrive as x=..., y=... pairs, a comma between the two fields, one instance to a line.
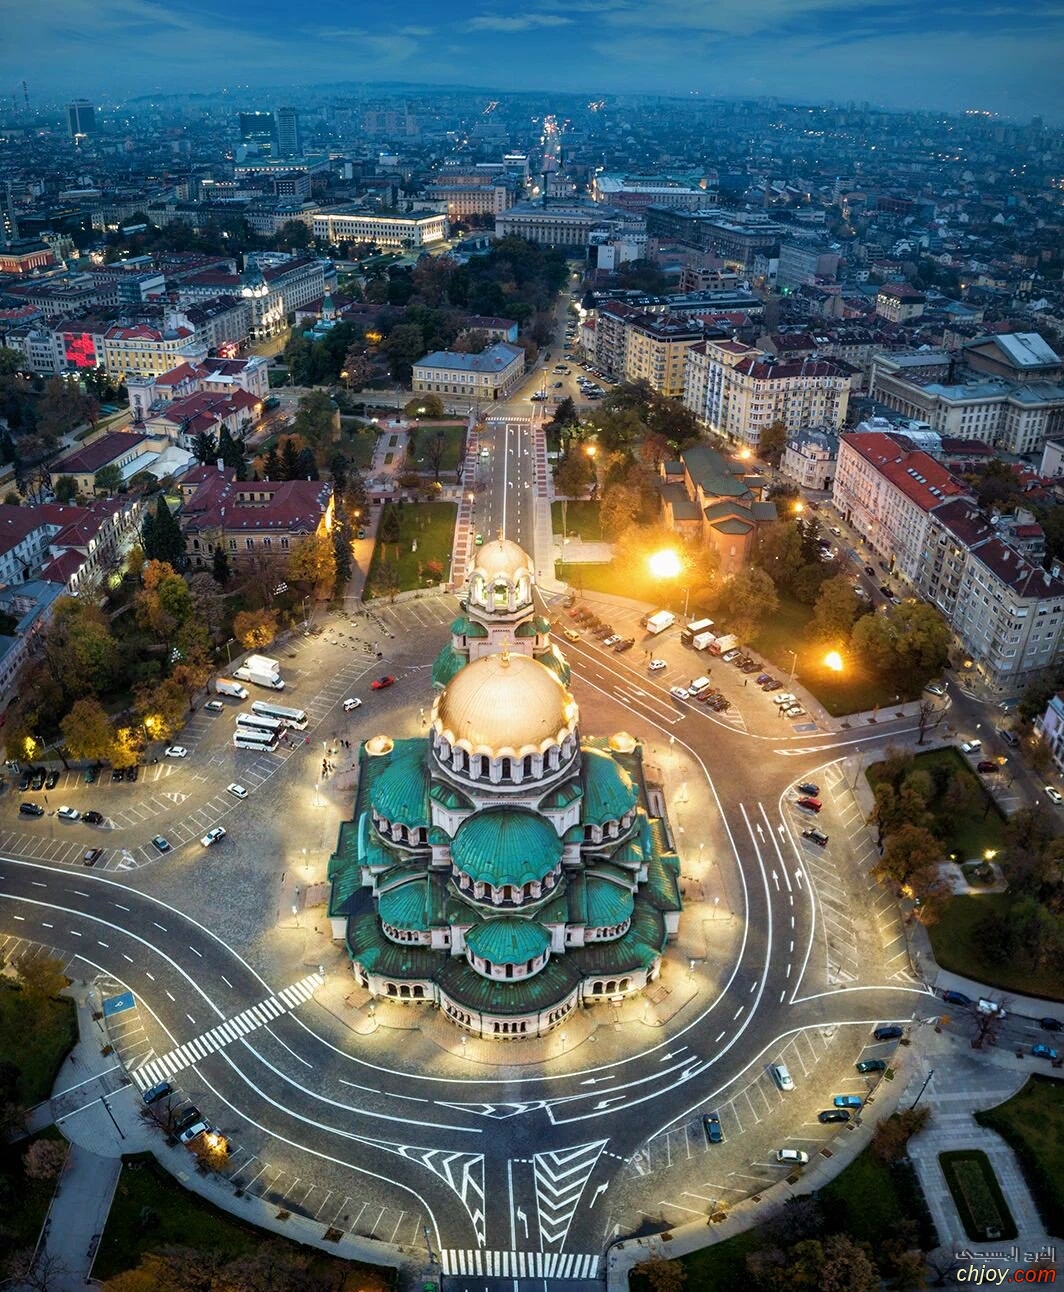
x=526, y=22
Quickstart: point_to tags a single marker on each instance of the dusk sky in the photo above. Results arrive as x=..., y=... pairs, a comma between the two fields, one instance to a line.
x=994, y=54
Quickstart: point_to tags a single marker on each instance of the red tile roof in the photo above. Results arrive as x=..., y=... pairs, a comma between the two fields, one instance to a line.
x=918, y=475
x=91, y=457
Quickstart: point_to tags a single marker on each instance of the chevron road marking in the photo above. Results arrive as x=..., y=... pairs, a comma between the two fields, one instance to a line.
x=560, y=1180
x=191, y=1052
x=463, y=1172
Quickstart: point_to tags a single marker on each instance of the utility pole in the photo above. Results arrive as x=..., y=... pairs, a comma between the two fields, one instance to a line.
x=922, y=1089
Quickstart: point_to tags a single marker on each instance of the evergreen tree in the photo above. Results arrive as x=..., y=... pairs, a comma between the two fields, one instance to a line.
x=342, y=548
x=271, y=465
x=162, y=539
x=306, y=465
x=289, y=460
x=221, y=566
x=204, y=447
x=231, y=452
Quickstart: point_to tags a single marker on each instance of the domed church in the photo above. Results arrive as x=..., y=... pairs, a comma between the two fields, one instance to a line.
x=503, y=867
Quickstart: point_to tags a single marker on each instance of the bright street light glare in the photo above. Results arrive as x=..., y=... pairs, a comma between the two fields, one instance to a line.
x=665, y=565
x=833, y=660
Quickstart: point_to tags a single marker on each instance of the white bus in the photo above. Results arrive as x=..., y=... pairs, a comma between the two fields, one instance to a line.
x=296, y=718
x=256, y=722
x=249, y=738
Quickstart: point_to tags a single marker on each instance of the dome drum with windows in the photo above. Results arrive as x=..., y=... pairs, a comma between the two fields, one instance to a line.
x=503, y=868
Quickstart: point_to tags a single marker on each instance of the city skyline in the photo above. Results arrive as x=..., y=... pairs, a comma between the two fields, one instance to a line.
x=894, y=53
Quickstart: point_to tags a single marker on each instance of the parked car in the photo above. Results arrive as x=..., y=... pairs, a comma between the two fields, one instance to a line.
x=118, y=774
x=935, y=688
x=1054, y=795
x=771, y=685
x=132, y=772
x=986, y=766
x=833, y=1115
x=784, y=698
x=679, y=693
x=237, y=791
x=91, y=856
x=214, y=706
x=956, y=998
x=30, y=809
x=871, y=1065
x=51, y=780
x=352, y=703
x=781, y=1075
x=187, y=1117
x=794, y=711
x=68, y=814
x=792, y=1155
x=729, y=655
x=39, y=777
x=92, y=817
x=971, y=746
x=1049, y=1024
x=816, y=836
x=162, y=843
x=1041, y=1051
x=848, y=1101
x=810, y=804
x=611, y=640
x=888, y=1032
x=870, y=571
x=159, y=1091
x=193, y=1132
x=624, y=645
x=808, y=787
x=24, y=780
x=656, y=665
x=213, y=836
x=379, y=683
x=90, y=775
x=175, y=751
x=711, y=1125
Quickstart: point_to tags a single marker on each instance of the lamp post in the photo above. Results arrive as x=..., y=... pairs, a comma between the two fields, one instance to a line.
x=794, y=664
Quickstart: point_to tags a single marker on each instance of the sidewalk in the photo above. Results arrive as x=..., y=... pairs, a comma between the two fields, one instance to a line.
x=99, y=1113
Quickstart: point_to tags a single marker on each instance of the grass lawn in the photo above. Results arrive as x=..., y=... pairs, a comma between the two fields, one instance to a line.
x=721, y=1265
x=972, y=835
x=581, y=518
x=621, y=582
x=957, y=947
x=151, y=1211
x=26, y=1201
x=454, y=436
x=359, y=439
x=852, y=691
x=277, y=377
x=1032, y=1123
x=37, y=1039
x=975, y=1189
x=432, y=526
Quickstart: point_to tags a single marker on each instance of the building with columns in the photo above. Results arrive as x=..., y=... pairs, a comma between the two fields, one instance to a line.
x=504, y=868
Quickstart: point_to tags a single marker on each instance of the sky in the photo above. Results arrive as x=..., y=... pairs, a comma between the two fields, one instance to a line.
x=1000, y=55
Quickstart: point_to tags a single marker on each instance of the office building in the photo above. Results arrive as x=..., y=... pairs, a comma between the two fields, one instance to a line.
x=481, y=377
x=258, y=128
x=289, y=143
x=389, y=232
x=81, y=118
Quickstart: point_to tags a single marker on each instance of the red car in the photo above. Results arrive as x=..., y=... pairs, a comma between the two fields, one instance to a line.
x=814, y=805
x=379, y=683
x=986, y=767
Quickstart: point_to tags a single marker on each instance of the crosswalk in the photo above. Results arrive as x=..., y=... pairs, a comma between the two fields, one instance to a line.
x=520, y=1265
x=192, y=1052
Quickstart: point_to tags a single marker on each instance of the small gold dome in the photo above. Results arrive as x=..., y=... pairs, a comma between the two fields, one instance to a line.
x=500, y=556
x=505, y=704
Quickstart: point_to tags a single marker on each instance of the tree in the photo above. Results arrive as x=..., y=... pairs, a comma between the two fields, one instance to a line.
x=342, y=555
x=663, y=1276
x=220, y=566
x=565, y=414
x=41, y=978
x=747, y=598
x=404, y=345
x=108, y=480
x=66, y=489
x=573, y=475
x=255, y=629
x=87, y=731
x=832, y=1264
x=79, y=650
x=161, y=709
x=891, y=1137
x=271, y=465
x=434, y=450
x=357, y=371
x=313, y=563
x=162, y=536
x=620, y=508
x=779, y=552
x=315, y=419
x=191, y=675
x=306, y=465
x=908, y=849
x=127, y=746
x=389, y=530
x=44, y=1159
x=424, y=406
x=205, y=447
x=289, y=460
x=772, y=443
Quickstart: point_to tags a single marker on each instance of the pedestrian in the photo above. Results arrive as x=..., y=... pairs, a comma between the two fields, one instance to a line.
x=306, y=740
x=747, y=682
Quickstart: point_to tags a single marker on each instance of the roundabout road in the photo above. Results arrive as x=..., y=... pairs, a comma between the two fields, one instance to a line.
x=510, y=1160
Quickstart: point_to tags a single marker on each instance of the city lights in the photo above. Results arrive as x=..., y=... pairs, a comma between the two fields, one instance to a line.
x=833, y=661
x=665, y=565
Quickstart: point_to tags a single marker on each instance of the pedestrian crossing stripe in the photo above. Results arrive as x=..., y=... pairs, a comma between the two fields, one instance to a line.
x=520, y=1265
x=164, y=1066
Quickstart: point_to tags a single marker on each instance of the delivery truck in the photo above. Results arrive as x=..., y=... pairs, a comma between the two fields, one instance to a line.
x=658, y=622
x=703, y=641
x=226, y=686
x=262, y=671
x=723, y=644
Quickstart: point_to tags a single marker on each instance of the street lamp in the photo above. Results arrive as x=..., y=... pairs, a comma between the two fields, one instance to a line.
x=794, y=663
x=667, y=564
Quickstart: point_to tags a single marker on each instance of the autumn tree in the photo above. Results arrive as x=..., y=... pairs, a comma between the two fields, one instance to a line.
x=573, y=475
x=315, y=419
x=661, y=1275
x=87, y=731
x=161, y=709
x=424, y=406
x=44, y=1159
x=312, y=564
x=747, y=598
x=255, y=629
x=835, y=609
x=619, y=510
x=41, y=978
x=127, y=746
x=79, y=651
x=772, y=443
x=907, y=849
x=890, y=1139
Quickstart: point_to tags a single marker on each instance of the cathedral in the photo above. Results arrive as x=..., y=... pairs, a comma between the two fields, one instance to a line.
x=504, y=867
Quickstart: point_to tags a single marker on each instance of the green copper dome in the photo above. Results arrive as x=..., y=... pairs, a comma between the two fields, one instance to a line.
x=401, y=793
x=607, y=903
x=506, y=847
x=608, y=789
x=405, y=906
x=508, y=941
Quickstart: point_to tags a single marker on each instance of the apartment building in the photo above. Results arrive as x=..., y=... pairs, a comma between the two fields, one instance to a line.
x=810, y=458
x=739, y=391
x=142, y=350
x=655, y=350
x=389, y=232
x=900, y=303
x=460, y=200
x=483, y=377
x=1051, y=728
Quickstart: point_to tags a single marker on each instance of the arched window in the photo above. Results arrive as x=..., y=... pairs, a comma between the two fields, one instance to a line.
x=527, y=765
x=506, y=771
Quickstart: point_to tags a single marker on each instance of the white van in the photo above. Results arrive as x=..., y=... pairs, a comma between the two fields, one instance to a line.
x=699, y=685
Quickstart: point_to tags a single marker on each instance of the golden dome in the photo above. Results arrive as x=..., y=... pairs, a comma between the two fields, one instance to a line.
x=504, y=704
x=500, y=556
